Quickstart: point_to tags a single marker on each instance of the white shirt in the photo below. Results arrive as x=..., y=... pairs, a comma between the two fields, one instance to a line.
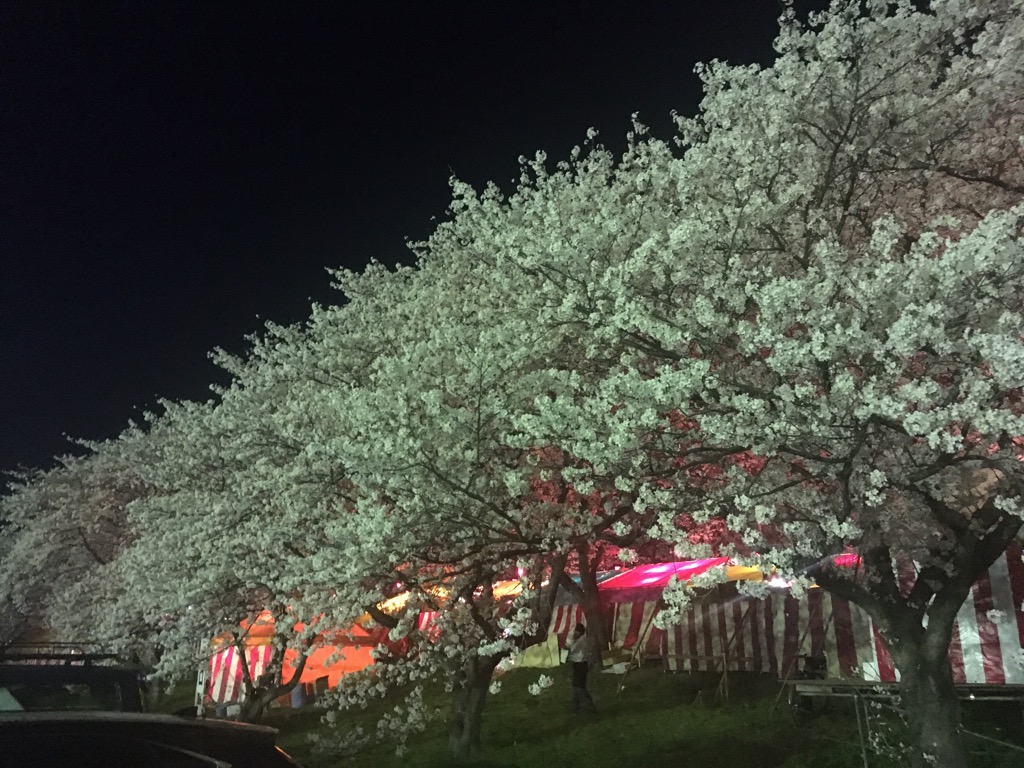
x=578, y=650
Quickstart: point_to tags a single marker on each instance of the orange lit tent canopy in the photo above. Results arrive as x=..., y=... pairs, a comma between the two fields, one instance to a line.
x=342, y=652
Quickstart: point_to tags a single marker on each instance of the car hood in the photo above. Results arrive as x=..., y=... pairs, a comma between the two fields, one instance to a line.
x=40, y=733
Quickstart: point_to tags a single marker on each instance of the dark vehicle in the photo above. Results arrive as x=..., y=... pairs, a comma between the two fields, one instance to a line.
x=134, y=740
x=48, y=682
x=77, y=709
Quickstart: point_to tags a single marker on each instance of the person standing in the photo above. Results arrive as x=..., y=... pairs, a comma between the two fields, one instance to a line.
x=579, y=659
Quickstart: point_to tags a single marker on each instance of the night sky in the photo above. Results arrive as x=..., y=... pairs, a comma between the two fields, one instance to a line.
x=173, y=174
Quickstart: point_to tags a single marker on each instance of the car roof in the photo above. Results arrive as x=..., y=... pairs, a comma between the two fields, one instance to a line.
x=69, y=672
x=10, y=657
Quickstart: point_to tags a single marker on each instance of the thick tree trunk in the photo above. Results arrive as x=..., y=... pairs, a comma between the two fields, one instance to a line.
x=259, y=697
x=593, y=610
x=929, y=698
x=251, y=710
x=468, y=698
x=918, y=637
x=589, y=596
x=917, y=619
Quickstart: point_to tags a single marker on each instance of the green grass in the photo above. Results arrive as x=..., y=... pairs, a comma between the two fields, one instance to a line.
x=655, y=720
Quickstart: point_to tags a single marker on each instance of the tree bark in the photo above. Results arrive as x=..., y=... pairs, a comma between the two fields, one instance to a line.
x=593, y=609
x=918, y=638
x=929, y=697
x=259, y=697
x=472, y=681
x=589, y=596
x=917, y=623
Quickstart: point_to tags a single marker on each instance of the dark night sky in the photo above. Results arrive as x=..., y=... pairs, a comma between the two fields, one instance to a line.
x=174, y=173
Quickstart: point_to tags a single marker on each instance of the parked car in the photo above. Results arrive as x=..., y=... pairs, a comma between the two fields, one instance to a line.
x=134, y=740
x=41, y=682
x=88, y=710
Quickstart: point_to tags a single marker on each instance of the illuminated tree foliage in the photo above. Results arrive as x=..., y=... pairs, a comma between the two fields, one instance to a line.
x=834, y=299
x=793, y=332
x=61, y=527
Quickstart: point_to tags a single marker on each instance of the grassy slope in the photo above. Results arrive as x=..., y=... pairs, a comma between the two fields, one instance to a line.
x=655, y=720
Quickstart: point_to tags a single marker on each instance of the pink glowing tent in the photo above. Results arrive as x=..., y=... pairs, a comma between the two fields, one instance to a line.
x=650, y=580
x=656, y=576
x=631, y=598
x=726, y=630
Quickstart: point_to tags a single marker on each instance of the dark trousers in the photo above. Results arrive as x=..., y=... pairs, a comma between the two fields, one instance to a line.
x=581, y=699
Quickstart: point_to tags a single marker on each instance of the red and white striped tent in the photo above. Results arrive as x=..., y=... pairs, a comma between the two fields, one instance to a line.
x=224, y=683
x=342, y=653
x=725, y=630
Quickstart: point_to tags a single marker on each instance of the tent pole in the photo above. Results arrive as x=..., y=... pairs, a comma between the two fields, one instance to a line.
x=641, y=640
x=723, y=685
x=201, y=678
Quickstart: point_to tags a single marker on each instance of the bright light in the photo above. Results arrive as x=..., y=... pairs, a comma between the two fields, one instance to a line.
x=650, y=579
x=847, y=560
x=777, y=581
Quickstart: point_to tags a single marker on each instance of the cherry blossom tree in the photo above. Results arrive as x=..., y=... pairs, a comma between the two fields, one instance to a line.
x=810, y=312
x=62, y=525
x=444, y=487
x=236, y=525
x=248, y=518
x=795, y=333
x=833, y=298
